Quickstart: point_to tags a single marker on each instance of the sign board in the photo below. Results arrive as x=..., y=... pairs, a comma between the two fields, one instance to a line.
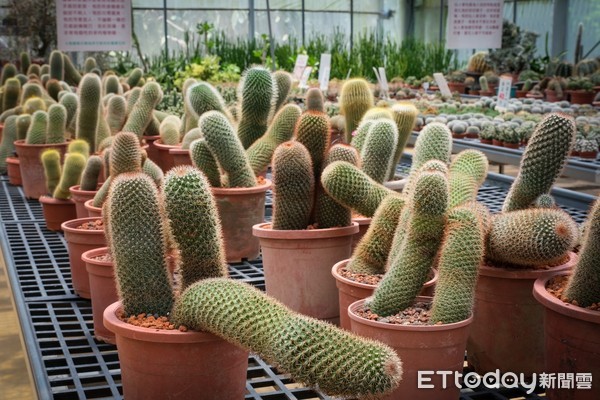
x=99, y=25
x=442, y=84
x=474, y=24
x=324, y=71
x=301, y=62
x=304, y=80
x=504, y=87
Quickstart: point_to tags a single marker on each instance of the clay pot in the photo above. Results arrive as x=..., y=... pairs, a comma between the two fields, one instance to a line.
x=152, y=150
x=457, y=87
x=13, y=169
x=57, y=211
x=239, y=210
x=572, y=341
x=180, y=156
x=486, y=141
x=582, y=96
x=164, y=159
x=80, y=197
x=511, y=145
x=103, y=290
x=496, y=142
x=162, y=364
x=521, y=94
x=363, y=227
x=350, y=291
x=297, y=267
x=32, y=170
x=507, y=331
x=590, y=155
x=421, y=348
x=91, y=209
x=552, y=97
x=487, y=93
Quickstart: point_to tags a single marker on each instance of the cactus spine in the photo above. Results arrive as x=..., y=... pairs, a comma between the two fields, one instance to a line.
x=314, y=132
x=257, y=95
x=89, y=109
x=467, y=172
x=116, y=113
x=355, y=99
x=378, y=151
x=71, y=175
x=52, y=170
x=202, y=97
x=405, y=116
x=358, y=141
x=126, y=154
x=36, y=134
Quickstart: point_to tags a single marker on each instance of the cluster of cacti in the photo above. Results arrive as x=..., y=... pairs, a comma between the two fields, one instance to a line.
x=355, y=99
x=257, y=95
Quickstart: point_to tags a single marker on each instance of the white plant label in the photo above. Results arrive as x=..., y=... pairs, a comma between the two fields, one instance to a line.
x=301, y=62
x=504, y=87
x=324, y=71
x=440, y=79
x=304, y=80
x=383, y=80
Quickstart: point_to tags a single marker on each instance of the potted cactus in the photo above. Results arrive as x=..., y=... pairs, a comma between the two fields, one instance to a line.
x=213, y=321
x=487, y=134
x=456, y=82
x=555, y=91
x=485, y=88
x=89, y=185
x=581, y=90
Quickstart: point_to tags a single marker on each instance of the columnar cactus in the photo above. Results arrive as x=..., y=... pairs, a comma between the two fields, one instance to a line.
x=57, y=122
x=71, y=175
x=126, y=154
x=89, y=178
x=8, y=71
x=483, y=83
x=52, y=169
x=23, y=123
x=90, y=91
x=116, y=113
x=202, y=97
x=377, y=154
x=355, y=99
x=25, y=62
x=467, y=172
x=12, y=91
x=152, y=169
x=257, y=94
x=314, y=132
x=283, y=84
x=79, y=146
x=169, y=130
x=7, y=147
x=190, y=136
x=358, y=141
x=135, y=77
x=132, y=97
x=141, y=113
x=71, y=102
x=405, y=116
x=90, y=64
x=36, y=134
x=53, y=87
x=57, y=68
x=543, y=160
x=203, y=159
x=111, y=84
x=315, y=100
x=30, y=90
x=72, y=75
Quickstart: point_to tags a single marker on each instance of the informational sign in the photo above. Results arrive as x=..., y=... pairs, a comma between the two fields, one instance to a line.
x=301, y=62
x=442, y=84
x=474, y=24
x=504, y=87
x=324, y=71
x=99, y=25
x=304, y=80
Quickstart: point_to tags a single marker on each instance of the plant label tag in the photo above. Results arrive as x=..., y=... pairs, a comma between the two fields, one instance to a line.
x=442, y=84
x=301, y=61
x=324, y=70
x=504, y=87
x=304, y=80
x=383, y=81
x=425, y=85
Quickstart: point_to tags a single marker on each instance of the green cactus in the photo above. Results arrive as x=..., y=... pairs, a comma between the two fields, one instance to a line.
x=378, y=149
x=22, y=79
x=460, y=257
x=30, y=90
x=36, y=134
x=257, y=95
x=409, y=270
x=89, y=64
x=79, y=146
x=57, y=119
x=315, y=100
x=169, y=130
x=483, y=83
x=348, y=365
x=7, y=147
x=152, y=169
x=89, y=109
x=91, y=173
x=116, y=113
x=545, y=201
x=467, y=172
x=111, y=84
x=57, y=67
x=141, y=113
x=203, y=159
x=583, y=286
x=44, y=69
x=194, y=219
x=103, y=129
x=355, y=99
x=283, y=82
x=126, y=154
x=433, y=143
x=190, y=136
x=72, y=75
x=134, y=77
x=314, y=132
x=53, y=87
x=102, y=193
x=202, y=97
x=71, y=103
x=328, y=212
x=350, y=186
x=32, y=105
x=8, y=71
x=23, y=123
x=371, y=253
x=132, y=97
x=139, y=234
x=34, y=69
x=45, y=78
x=293, y=186
x=227, y=149
x=405, y=116
x=189, y=121
x=52, y=169
x=25, y=62
x=358, y=141
x=12, y=90
x=531, y=237
x=71, y=175
x=377, y=113
x=543, y=160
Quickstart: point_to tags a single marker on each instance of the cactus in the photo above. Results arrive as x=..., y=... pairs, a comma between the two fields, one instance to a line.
x=89, y=65
x=34, y=69
x=141, y=113
x=111, y=84
x=283, y=82
x=7, y=147
x=132, y=97
x=545, y=201
x=543, y=160
x=378, y=149
x=169, y=130
x=25, y=62
x=358, y=141
x=227, y=149
x=349, y=186
x=44, y=69
x=72, y=75
x=36, y=134
x=315, y=100
x=293, y=186
x=405, y=116
x=152, y=169
x=477, y=62
x=53, y=87
x=328, y=212
x=71, y=103
x=355, y=99
x=30, y=90
x=57, y=68
x=126, y=154
x=377, y=113
x=203, y=159
x=460, y=257
x=531, y=237
x=483, y=83
x=202, y=97
x=33, y=104
x=102, y=193
x=583, y=287
x=79, y=146
x=190, y=136
x=57, y=119
x=349, y=366
x=91, y=173
x=371, y=253
x=8, y=71
x=134, y=77
x=467, y=172
x=314, y=132
x=408, y=271
x=257, y=95
x=71, y=175
x=12, y=90
x=52, y=169
x=139, y=233
x=116, y=113
x=192, y=212
x=89, y=109
x=23, y=123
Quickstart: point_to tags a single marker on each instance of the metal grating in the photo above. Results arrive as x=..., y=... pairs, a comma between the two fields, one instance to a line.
x=14, y=207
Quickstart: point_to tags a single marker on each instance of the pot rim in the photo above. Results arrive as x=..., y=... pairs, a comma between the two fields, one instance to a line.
x=550, y=302
x=75, y=189
x=394, y=327
x=179, y=150
x=261, y=231
x=525, y=273
x=165, y=147
x=71, y=226
x=21, y=143
x=87, y=256
x=151, y=137
x=47, y=199
x=362, y=220
x=350, y=282
x=266, y=185
x=13, y=160
x=88, y=205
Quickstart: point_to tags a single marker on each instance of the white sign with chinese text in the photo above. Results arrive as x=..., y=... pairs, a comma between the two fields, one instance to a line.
x=504, y=87
x=324, y=71
x=304, y=80
x=99, y=25
x=440, y=79
x=301, y=61
x=474, y=24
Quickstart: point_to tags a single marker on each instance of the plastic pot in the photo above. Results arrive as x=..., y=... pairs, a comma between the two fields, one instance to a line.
x=79, y=197
x=103, y=290
x=57, y=211
x=32, y=170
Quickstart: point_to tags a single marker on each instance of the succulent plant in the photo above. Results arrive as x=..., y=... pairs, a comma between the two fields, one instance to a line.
x=355, y=99
x=70, y=176
x=7, y=147
x=36, y=134
x=315, y=100
x=52, y=168
x=283, y=82
x=91, y=173
x=378, y=150
x=90, y=91
x=142, y=112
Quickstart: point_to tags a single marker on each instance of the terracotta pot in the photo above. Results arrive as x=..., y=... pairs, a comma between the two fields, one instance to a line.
x=78, y=242
x=457, y=87
x=572, y=342
x=582, y=97
x=80, y=197
x=472, y=135
x=297, y=266
x=511, y=145
x=57, y=211
x=169, y=364
x=103, y=290
x=507, y=332
x=350, y=291
x=180, y=156
x=240, y=209
x=521, y=94
x=486, y=141
x=487, y=93
x=497, y=142
x=552, y=97
x=152, y=150
x=421, y=348
x=363, y=227
x=590, y=155
x=32, y=170
x=13, y=169
x=91, y=210
x=164, y=159
x=459, y=135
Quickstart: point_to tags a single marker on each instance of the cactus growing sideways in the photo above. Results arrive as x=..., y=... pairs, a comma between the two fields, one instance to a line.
x=203, y=159
x=283, y=84
x=257, y=94
x=52, y=168
x=141, y=114
x=70, y=176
